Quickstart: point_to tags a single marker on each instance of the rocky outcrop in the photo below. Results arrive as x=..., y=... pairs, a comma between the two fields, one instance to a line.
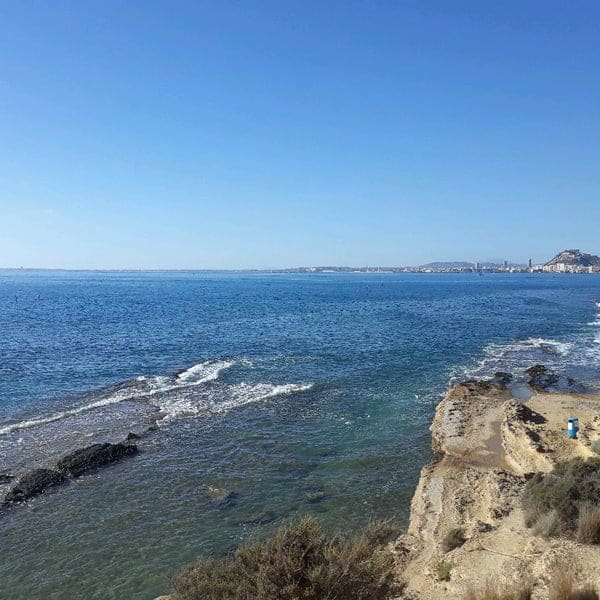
x=32, y=484
x=486, y=445
x=525, y=451
x=72, y=465
x=98, y=455
x=540, y=379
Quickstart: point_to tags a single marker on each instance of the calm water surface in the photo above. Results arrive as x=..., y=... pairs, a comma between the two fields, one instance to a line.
x=276, y=396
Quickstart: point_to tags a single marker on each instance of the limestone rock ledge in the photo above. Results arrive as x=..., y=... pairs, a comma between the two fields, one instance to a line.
x=486, y=444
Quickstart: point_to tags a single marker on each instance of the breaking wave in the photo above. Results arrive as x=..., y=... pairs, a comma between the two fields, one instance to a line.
x=225, y=400
x=138, y=389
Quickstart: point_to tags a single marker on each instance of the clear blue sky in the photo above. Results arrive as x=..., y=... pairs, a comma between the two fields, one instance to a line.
x=267, y=134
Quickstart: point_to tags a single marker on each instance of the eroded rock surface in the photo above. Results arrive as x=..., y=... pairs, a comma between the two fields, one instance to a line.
x=94, y=456
x=32, y=484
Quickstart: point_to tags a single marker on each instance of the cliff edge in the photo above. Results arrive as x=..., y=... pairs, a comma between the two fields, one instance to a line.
x=466, y=523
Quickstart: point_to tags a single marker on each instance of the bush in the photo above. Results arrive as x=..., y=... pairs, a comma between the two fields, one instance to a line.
x=588, y=523
x=495, y=591
x=453, y=539
x=562, y=491
x=297, y=561
x=548, y=524
x=443, y=570
x=562, y=587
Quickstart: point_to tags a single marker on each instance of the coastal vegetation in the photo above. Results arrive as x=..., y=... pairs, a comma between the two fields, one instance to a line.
x=443, y=570
x=298, y=561
x=562, y=586
x=565, y=501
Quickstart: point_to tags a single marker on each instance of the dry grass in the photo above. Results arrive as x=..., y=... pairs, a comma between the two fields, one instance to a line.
x=562, y=587
x=493, y=590
x=588, y=523
x=548, y=524
x=297, y=562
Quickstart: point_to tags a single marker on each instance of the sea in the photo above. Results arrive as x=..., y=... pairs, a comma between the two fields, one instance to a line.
x=260, y=398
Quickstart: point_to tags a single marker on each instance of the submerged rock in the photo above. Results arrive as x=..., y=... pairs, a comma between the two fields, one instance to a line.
x=220, y=497
x=92, y=457
x=6, y=478
x=540, y=378
x=502, y=377
x=32, y=484
x=263, y=518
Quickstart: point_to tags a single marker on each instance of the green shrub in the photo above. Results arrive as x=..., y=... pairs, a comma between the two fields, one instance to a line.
x=297, y=561
x=454, y=538
x=443, y=570
x=562, y=492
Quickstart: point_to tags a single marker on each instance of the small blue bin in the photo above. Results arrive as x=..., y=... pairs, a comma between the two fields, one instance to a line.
x=572, y=427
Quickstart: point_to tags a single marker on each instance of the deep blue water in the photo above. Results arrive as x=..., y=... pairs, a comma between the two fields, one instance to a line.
x=286, y=394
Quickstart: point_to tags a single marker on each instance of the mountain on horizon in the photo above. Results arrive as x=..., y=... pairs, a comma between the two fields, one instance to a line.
x=576, y=258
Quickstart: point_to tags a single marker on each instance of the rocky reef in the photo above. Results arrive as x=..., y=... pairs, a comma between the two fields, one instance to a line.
x=74, y=464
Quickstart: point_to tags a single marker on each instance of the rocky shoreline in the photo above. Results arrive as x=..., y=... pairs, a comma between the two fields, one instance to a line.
x=487, y=445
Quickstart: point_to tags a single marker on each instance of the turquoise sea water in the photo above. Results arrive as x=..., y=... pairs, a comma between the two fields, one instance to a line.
x=277, y=395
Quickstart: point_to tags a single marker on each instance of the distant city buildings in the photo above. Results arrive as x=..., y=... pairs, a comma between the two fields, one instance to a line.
x=565, y=268
x=567, y=261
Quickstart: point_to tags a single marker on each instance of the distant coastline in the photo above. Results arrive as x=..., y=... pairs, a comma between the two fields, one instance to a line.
x=566, y=261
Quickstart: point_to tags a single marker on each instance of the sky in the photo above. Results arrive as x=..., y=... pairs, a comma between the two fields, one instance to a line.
x=221, y=135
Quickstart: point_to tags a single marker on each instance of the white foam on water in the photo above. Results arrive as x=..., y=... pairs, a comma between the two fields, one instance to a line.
x=230, y=398
x=516, y=354
x=203, y=372
x=60, y=415
x=142, y=388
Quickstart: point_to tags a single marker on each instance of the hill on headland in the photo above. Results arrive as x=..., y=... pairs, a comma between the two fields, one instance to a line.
x=575, y=258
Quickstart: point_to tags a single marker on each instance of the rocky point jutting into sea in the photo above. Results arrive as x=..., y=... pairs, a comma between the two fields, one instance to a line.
x=467, y=520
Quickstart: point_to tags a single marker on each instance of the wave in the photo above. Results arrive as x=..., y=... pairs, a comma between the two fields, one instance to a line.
x=203, y=372
x=27, y=424
x=236, y=396
x=516, y=355
x=138, y=389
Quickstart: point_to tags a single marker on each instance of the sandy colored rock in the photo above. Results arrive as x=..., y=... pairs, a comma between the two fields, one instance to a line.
x=486, y=445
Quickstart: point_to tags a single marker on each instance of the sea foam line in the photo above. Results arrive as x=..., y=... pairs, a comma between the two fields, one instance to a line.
x=239, y=395
x=197, y=374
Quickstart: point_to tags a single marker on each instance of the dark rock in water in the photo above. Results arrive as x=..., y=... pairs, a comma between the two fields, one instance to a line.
x=32, y=484
x=316, y=497
x=6, y=478
x=263, y=518
x=540, y=378
x=133, y=436
x=502, y=378
x=94, y=456
x=220, y=497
